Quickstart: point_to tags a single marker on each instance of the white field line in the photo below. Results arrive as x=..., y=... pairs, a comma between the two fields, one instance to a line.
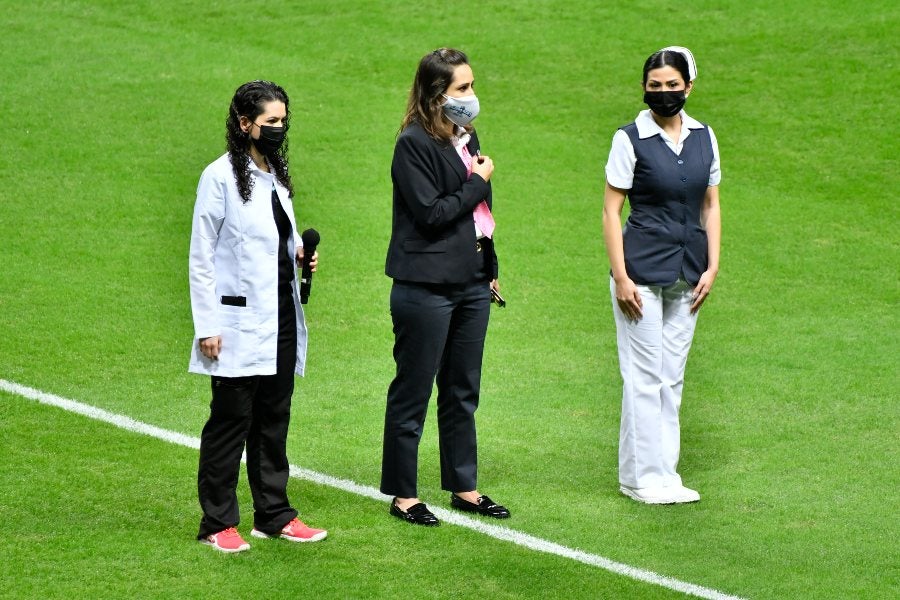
x=495, y=531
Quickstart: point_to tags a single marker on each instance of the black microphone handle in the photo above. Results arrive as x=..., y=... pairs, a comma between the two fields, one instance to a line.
x=306, y=274
x=310, y=239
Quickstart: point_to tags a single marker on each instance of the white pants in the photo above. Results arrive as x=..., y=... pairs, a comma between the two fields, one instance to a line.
x=653, y=351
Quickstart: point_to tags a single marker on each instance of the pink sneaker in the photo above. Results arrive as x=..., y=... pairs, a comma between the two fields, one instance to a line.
x=228, y=540
x=295, y=531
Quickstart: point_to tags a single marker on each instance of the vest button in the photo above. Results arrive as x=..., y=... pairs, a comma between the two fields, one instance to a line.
x=680, y=162
x=684, y=179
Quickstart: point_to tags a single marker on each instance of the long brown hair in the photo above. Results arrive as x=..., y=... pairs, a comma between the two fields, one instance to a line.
x=433, y=77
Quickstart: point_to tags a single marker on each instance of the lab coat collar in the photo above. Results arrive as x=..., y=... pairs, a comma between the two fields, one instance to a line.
x=259, y=172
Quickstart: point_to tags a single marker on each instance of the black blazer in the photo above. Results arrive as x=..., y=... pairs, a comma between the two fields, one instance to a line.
x=432, y=233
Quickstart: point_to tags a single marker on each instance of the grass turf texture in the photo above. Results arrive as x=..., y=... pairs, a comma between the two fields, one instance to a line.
x=790, y=413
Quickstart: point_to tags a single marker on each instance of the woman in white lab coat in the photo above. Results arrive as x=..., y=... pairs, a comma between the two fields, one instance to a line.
x=250, y=334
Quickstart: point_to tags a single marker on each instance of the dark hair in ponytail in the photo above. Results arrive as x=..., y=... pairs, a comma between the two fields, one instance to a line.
x=668, y=58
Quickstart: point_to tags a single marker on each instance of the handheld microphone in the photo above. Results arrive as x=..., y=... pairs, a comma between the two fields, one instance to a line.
x=310, y=239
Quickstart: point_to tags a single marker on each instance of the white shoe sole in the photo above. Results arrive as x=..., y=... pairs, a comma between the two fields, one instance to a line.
x=225, y=550
x=319, y=536
x=682, y=496
x=687, y=495
x=645, y=499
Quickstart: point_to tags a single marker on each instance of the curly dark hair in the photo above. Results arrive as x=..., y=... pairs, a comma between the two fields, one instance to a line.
x=433, y=77
x=249, y=101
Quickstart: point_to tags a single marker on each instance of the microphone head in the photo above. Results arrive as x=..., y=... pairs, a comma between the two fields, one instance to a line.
x=310, y=238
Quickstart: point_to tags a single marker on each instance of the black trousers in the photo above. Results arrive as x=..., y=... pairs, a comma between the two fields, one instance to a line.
x=439, y=333
x=253, y=411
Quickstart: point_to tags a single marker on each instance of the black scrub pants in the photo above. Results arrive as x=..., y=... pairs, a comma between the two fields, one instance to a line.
x=439, y=332
x=255, y=411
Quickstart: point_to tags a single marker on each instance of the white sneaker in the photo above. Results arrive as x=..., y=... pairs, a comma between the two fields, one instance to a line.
x=683, y=495
x=661, y=495
x=647, y=495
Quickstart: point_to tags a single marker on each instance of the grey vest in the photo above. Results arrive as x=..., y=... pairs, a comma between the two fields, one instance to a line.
x=663, y=237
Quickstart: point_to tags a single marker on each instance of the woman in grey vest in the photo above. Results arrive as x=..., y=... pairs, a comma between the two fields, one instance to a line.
x=662, y=264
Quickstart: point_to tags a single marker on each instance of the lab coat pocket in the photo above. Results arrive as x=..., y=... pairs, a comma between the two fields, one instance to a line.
x=239, y=337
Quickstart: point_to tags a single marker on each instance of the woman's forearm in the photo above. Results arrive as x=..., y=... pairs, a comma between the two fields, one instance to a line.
x=712, y=222
x=613, y=201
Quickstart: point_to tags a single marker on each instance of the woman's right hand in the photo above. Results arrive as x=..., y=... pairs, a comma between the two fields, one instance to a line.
x=211, y=346
x=483, y=165
x=629, y=299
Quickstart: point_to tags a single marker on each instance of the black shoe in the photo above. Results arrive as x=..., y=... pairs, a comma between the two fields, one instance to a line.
x=417, y=514
x=485, y=506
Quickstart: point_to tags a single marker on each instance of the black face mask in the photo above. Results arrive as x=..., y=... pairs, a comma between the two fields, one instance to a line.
x=270, y=139
x=665, y=104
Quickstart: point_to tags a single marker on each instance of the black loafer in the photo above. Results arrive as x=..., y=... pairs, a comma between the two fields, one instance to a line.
x=417, y=514
x=485, y=506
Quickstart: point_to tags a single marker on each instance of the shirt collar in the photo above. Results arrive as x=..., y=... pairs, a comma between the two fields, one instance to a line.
x=460, y=138
x=257, y=171
x=647, y=127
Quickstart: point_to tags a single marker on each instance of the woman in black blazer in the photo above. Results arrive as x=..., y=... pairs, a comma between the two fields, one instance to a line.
x=441, y=258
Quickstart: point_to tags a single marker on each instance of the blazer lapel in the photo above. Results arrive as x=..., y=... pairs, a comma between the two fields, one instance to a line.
x=452, y=156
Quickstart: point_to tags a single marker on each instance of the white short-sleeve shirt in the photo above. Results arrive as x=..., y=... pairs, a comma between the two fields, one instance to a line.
x=620, y=165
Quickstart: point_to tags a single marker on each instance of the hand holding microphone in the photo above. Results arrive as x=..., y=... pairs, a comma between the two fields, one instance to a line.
x=310, y=239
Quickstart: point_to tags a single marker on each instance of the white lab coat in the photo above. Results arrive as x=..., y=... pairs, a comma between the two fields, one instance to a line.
x=234, y=252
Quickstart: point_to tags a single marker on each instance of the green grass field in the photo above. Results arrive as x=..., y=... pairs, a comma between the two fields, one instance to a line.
x=790, y=417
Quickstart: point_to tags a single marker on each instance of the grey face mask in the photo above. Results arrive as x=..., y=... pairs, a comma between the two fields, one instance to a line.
x=461, y=111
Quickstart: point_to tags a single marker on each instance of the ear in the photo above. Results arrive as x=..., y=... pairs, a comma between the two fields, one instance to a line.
x=245, y=124
x=688, y=88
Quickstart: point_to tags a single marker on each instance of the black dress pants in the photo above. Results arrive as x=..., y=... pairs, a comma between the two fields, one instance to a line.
x=439, y=332
x=252, y=411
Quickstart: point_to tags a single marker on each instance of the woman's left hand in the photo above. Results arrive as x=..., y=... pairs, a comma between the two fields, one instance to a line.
x=702, y=290
x=312, y=264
